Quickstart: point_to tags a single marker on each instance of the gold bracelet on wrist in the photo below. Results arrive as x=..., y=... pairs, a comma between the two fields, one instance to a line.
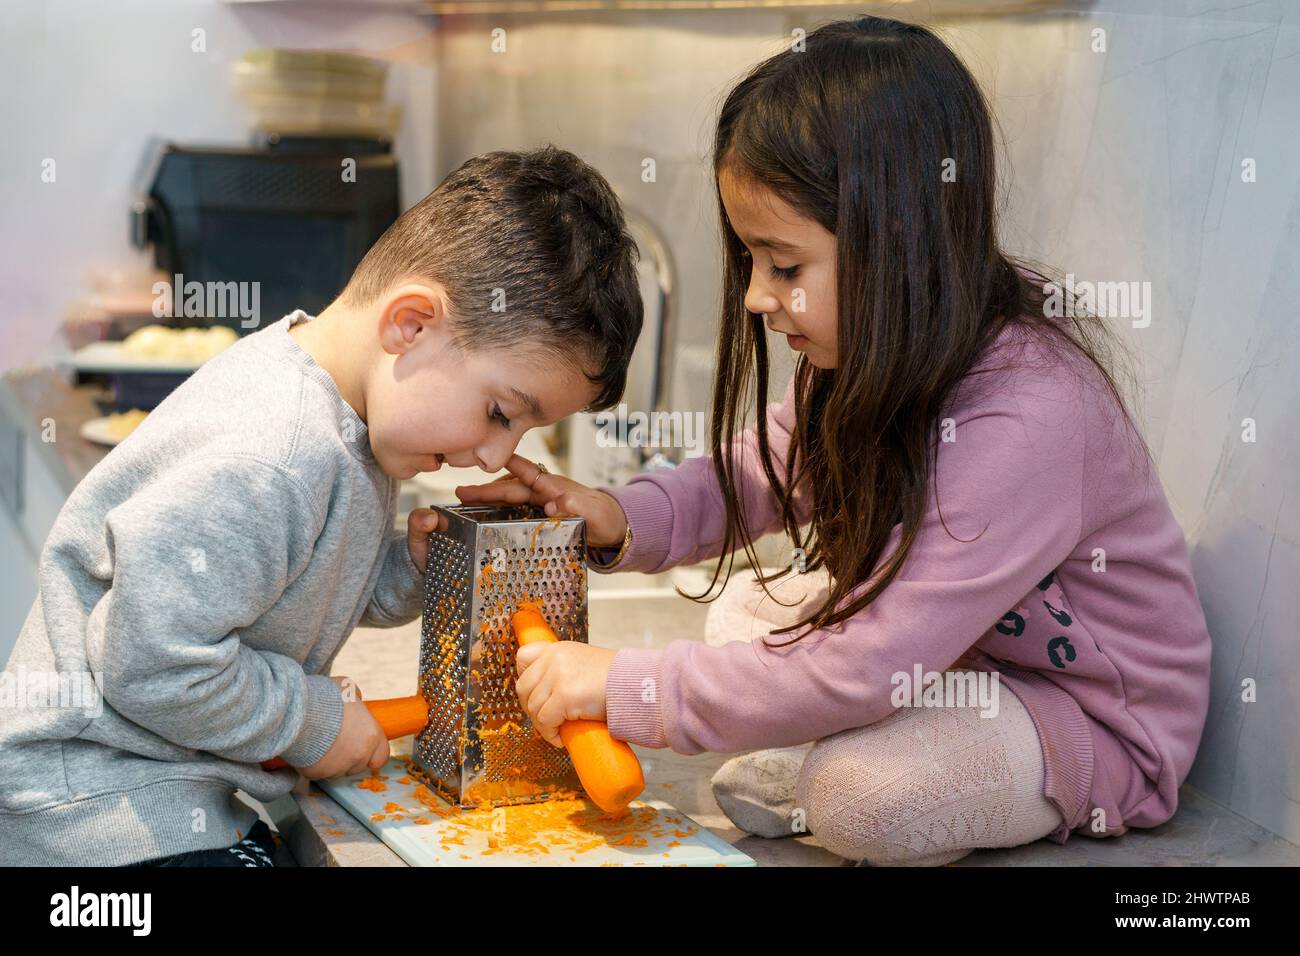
x=627, y=542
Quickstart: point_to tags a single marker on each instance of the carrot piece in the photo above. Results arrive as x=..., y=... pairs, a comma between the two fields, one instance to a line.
x=398, y=717
x=607, y=768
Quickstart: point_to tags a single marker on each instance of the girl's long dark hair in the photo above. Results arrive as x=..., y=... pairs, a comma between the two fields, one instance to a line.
x=855, y=131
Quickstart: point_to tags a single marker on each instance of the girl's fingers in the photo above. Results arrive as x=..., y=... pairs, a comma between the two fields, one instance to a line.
x=523, y=469
x=566, y=503
x=548, y=720
x=533, y=695
x=508, y=491
x=525, y=656
x=542, y=485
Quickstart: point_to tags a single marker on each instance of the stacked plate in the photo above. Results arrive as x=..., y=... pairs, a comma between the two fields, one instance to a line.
x=317, y=93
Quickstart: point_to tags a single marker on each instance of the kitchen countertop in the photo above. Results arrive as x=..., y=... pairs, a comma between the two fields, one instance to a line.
x=29, y=397
x=383, y=663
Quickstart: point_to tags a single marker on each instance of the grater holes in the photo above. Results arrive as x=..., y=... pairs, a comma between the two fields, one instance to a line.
x=498, y=742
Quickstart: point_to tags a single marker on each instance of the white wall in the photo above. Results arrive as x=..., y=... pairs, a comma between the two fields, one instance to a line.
x=88, y=82
x=1128, y=165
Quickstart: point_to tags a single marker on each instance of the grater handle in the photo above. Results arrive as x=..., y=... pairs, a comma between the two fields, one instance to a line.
x=607, y=768
x=396, y=716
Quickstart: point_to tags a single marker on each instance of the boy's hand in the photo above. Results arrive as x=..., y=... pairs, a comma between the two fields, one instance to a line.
x=419, y=524
x=361, y=743
x=527, y=484
x=562, y=681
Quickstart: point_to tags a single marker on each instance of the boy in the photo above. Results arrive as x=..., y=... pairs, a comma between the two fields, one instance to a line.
x=208, y=570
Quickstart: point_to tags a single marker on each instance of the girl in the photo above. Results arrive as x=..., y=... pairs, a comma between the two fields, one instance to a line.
x=957, y=459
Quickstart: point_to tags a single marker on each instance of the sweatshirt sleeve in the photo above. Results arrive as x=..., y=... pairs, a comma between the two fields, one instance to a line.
x=1010, y=482
x=677, y=514
x=200, y=553
x=398, y=596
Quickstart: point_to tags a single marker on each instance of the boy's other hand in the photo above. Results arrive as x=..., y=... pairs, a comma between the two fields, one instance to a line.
x=557, y=495
x=360, y=745
x=419, y=524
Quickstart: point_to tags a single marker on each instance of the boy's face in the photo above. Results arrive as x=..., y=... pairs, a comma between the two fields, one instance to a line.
x=428, y=403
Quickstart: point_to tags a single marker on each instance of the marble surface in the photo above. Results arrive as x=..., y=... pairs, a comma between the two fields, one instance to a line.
x=1128, y=166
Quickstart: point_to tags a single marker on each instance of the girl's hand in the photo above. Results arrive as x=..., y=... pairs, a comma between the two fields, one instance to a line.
x=419, y=523
x=562, y=681
x=527, y=484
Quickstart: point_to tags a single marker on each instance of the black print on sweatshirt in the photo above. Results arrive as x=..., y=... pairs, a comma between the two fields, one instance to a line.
x=1060, y=642
x=1012, y=624
x=1015, y=622
x=1060, y=617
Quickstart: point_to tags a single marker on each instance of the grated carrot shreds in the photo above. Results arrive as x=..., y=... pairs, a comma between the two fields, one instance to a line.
x=566, y=826
x=508, y=812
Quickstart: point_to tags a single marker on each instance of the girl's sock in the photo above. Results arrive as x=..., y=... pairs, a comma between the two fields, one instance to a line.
x=756, y=791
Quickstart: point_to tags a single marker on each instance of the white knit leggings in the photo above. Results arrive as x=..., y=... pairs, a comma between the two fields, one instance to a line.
x=926, y=785
x=922, y=787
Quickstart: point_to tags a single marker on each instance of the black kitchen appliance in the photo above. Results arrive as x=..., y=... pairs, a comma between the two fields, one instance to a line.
x=293, y=215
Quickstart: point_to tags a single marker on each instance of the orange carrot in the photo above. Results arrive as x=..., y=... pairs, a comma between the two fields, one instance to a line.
x=400, y=716
x=397, y=717
x=608, y=769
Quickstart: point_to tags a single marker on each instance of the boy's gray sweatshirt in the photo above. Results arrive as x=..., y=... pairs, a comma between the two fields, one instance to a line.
x=201, y=578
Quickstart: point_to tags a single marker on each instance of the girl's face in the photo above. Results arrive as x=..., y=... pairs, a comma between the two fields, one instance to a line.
x=792, y=274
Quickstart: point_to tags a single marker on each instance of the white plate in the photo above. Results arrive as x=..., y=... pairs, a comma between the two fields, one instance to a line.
x=112, y=357
x=97, y=430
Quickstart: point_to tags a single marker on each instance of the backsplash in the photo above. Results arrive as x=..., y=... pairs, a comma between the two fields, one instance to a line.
x=1125, y=165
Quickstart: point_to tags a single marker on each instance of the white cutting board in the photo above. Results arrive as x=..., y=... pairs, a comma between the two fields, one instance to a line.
x=654, y=834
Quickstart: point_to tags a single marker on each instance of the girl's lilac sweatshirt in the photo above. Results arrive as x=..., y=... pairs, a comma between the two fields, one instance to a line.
x=1061, y=567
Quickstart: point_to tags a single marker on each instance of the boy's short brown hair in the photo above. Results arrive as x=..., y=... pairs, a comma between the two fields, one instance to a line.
x=533, y=250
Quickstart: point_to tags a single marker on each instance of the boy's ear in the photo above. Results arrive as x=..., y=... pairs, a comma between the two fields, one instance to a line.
x=408, y=313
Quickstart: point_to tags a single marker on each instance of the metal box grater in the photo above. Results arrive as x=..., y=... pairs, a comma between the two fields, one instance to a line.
x=479, y=745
